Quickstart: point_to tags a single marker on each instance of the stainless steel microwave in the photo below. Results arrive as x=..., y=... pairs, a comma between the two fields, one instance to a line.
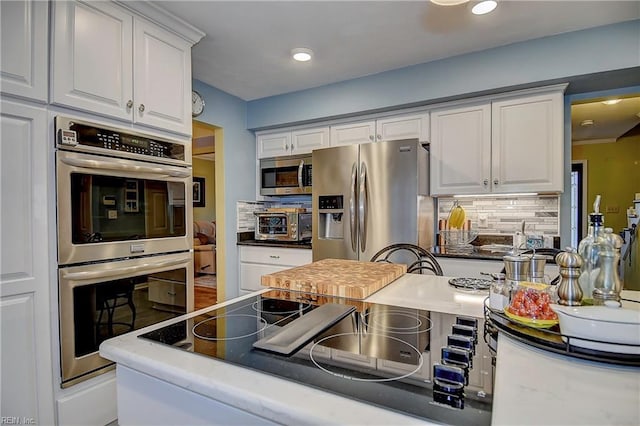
x=285, y=175
x=283, y=226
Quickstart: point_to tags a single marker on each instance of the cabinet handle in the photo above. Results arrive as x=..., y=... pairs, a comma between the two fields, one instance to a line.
x=171, y=293
x=379, y=137
x=274, y=257
x=370, y=137
x=291, y=147
x=129, y=104
x=495, y=181
x=141, y=108
x=485, y=182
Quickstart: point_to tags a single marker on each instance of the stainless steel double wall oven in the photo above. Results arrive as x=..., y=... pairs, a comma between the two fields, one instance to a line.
x=124, y=235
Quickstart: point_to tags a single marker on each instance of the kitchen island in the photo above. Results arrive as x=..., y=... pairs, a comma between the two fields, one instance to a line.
x=158, y=384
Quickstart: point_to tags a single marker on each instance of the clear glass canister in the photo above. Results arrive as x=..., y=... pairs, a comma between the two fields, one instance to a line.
x=499, y=292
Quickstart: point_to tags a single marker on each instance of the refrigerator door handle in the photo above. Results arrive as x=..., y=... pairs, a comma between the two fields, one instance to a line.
x=362, y=207
x=300, y=169
x=352, y=206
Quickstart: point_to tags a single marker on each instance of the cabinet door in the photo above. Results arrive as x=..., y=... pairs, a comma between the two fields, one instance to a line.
x=25, y=325
x=403, y=127
x=273, y=145
x=92, y=57
x=353, y=133
x=162, y=75
x=306, y=140
x=461, y=150
x=23, y=48
x=250, y=274
x=527, y=150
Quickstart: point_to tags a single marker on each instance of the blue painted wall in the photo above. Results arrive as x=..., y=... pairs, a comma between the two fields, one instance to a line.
x=590, y=51
x=230, y=113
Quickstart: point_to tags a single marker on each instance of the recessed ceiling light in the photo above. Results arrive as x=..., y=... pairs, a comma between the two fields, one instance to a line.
x=448, y=2
x=484, y=7
x=611, y=101
x=588, y=122
x=302, y=54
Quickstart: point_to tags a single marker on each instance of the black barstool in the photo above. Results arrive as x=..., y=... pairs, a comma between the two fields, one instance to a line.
x=417, y=259
x=109, y=297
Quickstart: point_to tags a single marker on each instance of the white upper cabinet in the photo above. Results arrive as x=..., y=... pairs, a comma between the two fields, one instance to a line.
x=108, y=61
x=93, y=58
x=461, y=150
x=273, y=145
x=514, y=144
x=23, y=48
x=353, y=133
x=527, y=149
x=162, y=78
x=403, y=127
x=296, y=142
x=306, y=140
x=415, y=126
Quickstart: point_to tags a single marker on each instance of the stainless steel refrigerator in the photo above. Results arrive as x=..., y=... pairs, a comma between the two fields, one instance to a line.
x=368, y=196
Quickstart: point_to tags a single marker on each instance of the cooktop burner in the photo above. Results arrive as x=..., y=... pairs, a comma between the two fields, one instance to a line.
x=377, y=354
x=470, y=284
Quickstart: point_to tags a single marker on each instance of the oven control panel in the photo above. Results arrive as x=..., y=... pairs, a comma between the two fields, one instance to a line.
x=76, y=133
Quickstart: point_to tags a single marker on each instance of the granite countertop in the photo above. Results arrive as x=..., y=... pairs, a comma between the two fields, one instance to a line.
x=247, y=239
x=475, y=254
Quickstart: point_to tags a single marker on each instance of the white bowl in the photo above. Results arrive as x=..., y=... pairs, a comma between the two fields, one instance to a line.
x=610, y=326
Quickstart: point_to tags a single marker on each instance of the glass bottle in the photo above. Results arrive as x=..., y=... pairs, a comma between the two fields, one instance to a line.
x=589, y=250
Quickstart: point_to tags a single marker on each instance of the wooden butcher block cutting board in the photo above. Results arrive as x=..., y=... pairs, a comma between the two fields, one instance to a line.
x=337, y=277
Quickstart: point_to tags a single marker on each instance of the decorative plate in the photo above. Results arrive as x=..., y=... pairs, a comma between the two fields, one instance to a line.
x=470, y=283
x=531, y=322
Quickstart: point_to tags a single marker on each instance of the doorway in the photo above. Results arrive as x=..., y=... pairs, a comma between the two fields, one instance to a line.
x=578, y=201
x=605, y=134
x=206, y=255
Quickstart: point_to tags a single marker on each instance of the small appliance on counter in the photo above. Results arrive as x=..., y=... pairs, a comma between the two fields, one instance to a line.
x=290, y=224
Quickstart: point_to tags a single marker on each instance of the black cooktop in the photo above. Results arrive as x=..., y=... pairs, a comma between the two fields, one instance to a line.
x=373, y=353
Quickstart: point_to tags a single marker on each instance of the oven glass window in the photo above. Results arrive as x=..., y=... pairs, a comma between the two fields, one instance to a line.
x=107, y=208
x=111, y=308
x=272, y=225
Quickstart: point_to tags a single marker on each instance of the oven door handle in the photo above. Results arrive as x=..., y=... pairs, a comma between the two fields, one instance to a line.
x=92, y=275
x=108, y=165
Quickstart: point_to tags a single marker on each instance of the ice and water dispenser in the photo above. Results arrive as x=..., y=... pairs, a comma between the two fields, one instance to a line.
x=330, y=217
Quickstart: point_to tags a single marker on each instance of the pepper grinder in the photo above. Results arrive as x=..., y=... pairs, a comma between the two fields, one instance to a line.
x=569, y=290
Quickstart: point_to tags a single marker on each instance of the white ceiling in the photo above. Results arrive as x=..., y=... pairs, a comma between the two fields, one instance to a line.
x=246, y=48
x=609, y=121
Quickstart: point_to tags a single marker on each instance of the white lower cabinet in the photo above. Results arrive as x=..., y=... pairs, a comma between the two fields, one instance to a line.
x=25, y=289
x=469, y=268
x=145, y=400
x=92, y=403
x=257, y=261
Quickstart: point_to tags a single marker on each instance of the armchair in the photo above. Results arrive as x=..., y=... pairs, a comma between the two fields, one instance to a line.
x=204, y=247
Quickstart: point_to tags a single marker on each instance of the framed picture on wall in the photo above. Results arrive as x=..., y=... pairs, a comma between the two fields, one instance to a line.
x=198, y=192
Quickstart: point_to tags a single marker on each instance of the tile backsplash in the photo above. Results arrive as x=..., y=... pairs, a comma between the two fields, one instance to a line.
x=503, y=215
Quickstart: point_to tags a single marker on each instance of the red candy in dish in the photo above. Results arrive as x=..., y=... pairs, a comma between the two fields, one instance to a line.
x=530, y=304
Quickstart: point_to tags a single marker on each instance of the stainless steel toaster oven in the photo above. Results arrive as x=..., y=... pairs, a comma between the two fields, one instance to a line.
x=283, y=226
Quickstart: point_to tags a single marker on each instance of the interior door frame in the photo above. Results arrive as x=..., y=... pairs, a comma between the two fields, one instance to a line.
x=581, y=167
